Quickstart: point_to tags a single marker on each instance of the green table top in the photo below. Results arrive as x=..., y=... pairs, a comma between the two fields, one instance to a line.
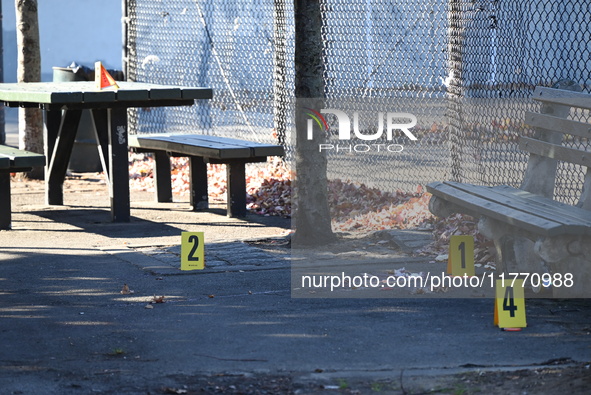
x=86, y=92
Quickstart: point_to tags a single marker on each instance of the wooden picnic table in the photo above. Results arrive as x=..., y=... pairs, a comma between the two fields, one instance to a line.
x=62, y=104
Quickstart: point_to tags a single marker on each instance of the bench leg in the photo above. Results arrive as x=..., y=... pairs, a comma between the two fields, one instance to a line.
x=236, y=184
x=99, y=118
x=162, y=177
x=59, y=135
x=118, y=164
x=5, y=209
x=505, y=262
x=198, y=183
x=504, y=240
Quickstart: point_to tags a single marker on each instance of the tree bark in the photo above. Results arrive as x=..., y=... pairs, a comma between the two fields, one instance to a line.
x=312, y=217
x=29, y=70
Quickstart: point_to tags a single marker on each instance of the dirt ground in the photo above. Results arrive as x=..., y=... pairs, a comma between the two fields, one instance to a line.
x=543, y=381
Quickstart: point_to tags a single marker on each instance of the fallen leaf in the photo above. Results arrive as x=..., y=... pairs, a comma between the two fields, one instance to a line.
x=170, y=390
x=268, y=187
x=126, y=290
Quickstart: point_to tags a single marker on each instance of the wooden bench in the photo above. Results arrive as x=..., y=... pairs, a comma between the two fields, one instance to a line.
x=13, y=160
x=532, y=232
x=201, y=150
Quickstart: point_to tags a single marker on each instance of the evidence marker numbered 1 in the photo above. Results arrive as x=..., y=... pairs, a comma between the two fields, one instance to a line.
x=461, y=256
x=192, y=251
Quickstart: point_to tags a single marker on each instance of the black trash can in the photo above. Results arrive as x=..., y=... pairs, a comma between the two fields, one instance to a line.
x=85, y=157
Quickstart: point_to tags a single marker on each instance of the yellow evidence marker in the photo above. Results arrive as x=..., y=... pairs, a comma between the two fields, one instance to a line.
x=510, y=305
x=192, y=251
x=461, y=256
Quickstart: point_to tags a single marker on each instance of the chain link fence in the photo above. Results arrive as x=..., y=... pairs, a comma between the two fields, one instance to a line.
x=465, y=68
x=228, y=46
x=499, y=51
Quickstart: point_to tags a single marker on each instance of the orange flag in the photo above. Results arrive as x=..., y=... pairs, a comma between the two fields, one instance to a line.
x=102, y=77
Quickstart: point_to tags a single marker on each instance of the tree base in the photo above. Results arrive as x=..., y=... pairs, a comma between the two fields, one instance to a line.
x=310, y=240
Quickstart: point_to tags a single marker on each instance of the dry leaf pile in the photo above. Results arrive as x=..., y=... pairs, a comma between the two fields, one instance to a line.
x=353, y=207
x=268, y=187
x=403, y=212
x=460, y=224
x=142, y=176
x=347, y=199
x=360, y=208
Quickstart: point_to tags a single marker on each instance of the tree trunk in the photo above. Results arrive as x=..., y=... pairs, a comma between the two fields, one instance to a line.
x=30, y=120
x=312, y=217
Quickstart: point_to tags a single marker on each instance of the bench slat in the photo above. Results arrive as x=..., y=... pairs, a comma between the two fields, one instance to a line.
x=498, y=211
x=555, y=124
x=208, y=149
x=560, y=210
x=208, y=146
x=211, y=141
x=555, y=151
x=560, y=96
x=198, y=141
x=143, y=90
x=21, y=159
x=522, y=200
x=259, y=149
x=184, y=146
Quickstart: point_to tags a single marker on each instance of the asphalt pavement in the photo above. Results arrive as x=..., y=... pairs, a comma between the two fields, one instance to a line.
x=68, y=324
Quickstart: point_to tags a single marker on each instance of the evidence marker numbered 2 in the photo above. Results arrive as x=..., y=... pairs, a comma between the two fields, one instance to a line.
x=192, y=251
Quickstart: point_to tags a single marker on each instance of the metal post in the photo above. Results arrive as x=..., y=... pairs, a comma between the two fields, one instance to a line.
x=53, y=190
x=236, y=188
x=162, y=177
x=198, y=179
x=118, y=154
x=454, y=87
x=2, y=117
x=5, y=209
x=124, y=30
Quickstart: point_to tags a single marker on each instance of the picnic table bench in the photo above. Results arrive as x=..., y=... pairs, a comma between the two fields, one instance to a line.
x=532, y=232
x=13, y=160
x=62, y=104
x=202, y=149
